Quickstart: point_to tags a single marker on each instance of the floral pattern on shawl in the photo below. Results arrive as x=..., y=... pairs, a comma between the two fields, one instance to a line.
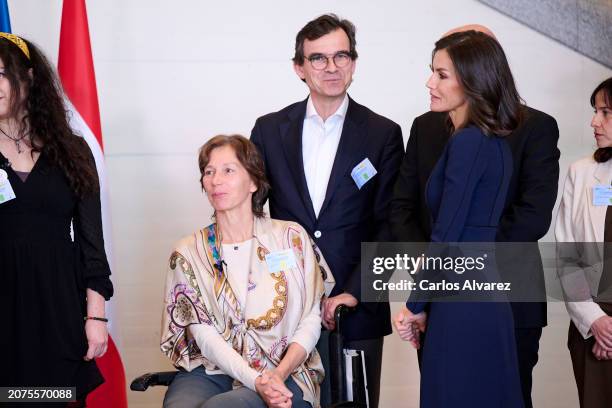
x=198, y=293
x=183, y=308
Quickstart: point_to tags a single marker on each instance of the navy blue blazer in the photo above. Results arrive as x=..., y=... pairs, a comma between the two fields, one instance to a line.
x=466, y=195
x=529, y=204
x=349, y=215
x=467, y=190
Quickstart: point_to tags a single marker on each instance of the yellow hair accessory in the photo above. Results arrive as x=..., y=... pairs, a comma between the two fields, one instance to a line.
x=18, y=42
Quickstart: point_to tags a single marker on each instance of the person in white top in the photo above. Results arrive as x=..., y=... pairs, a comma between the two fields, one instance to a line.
x=243, y=296
x=584, y=232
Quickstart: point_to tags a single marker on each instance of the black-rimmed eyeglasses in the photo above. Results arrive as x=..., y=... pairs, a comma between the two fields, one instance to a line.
x=320, y=61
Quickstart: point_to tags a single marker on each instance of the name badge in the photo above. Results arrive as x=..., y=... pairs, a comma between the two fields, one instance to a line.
x=602, y=195
x=363, y=172
x=281, y=260
x=6, y=190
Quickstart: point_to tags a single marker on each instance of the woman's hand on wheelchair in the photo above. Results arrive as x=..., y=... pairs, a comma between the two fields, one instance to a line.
x=329, y=308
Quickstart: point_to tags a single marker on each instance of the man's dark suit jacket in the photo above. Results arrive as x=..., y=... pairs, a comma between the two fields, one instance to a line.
x=349, y=215
x=529, y=204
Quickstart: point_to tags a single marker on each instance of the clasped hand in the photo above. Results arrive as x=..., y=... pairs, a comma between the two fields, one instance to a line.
x=602, y=331
x=410, y=326
x=272, y=389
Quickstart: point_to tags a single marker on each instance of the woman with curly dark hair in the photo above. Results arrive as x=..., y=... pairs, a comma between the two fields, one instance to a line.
x=54, y=286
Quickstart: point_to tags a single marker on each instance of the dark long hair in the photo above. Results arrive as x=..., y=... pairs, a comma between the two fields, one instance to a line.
x=494, y=104
x=38, y=93
x=603, y=154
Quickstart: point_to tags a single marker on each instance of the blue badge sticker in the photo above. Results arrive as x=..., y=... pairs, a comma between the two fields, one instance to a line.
x=6, y=190
x=281, y=260
x=602, y=195
x=363, y=172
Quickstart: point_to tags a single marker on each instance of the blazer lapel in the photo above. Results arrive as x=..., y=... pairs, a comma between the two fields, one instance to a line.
x=349, y=149
x=291, y=136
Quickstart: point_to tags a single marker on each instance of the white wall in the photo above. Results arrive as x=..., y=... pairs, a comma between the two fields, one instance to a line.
x=172, y=74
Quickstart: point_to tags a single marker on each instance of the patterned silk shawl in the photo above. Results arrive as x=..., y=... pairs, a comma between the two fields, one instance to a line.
x=198, y=292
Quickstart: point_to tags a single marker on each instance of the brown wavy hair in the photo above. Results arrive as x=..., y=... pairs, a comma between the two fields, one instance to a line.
x=603, y=154
x=36, y=92
x=249, y=158
x=494, y=104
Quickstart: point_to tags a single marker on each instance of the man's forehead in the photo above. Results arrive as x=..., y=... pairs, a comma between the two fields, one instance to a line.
x=334, y=41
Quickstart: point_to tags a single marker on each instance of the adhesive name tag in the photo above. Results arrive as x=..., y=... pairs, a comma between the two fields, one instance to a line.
x=6, y=190
x=281, y=260
x=363, y=172
x=602, y=195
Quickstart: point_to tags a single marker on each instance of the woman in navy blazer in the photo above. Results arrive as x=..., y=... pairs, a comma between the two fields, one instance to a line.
x=469, y=353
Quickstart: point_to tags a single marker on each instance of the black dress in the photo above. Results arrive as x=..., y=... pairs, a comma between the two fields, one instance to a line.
x=44, y=275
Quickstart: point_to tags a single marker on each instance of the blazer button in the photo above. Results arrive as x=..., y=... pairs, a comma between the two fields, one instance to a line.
x=317, y=234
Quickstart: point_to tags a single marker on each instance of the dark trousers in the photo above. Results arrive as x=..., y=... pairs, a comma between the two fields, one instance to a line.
x=372, y=350
x=593, y=377
x=527, y=347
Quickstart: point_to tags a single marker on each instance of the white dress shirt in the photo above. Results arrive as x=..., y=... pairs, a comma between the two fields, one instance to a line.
x=320, y=141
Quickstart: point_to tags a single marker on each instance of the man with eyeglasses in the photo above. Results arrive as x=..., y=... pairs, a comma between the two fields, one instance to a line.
x=332, y=164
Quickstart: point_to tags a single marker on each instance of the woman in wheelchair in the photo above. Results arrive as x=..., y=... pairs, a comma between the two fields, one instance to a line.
x=242, y=298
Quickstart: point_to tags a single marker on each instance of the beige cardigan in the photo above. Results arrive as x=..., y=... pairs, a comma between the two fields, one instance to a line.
x=579, y=220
